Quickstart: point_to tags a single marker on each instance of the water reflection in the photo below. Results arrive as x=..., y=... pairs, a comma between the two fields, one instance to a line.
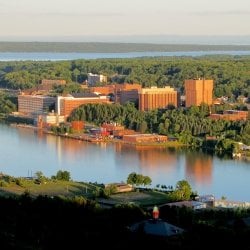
x=199, y=168
x=161, y=164
x=23, y=151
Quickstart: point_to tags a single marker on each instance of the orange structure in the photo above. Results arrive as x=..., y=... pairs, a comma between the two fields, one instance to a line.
x=122, y=92
x=121, y=133
x=154, y=98
x=65, y=105
x=77, y=125
x=144, y=138
x=126, y=92
x=53, y=81
x=104, y=90
x=199, y=91
x=111, y=127
x=231, y=115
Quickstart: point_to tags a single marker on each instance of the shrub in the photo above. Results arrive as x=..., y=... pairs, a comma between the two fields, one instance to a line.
x=3, y=183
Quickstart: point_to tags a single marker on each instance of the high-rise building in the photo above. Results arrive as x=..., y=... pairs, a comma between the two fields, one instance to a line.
x=199, y=91
x=154, y=98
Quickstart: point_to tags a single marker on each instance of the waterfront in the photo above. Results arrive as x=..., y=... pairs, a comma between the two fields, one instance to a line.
x=52, y=56
x=24, y=151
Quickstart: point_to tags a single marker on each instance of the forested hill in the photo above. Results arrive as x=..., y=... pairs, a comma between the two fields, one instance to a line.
x=111, y=47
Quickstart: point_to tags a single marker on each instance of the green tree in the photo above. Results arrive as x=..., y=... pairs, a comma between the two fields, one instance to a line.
x=63, y=175
x=138, y=179
x=109, y=190
x=39, y=175
x=183, y=190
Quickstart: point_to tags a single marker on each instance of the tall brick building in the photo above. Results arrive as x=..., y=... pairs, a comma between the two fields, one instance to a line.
x=154, y=98
x=122, y=92
x=65, y=105
x=127, y=92
x=199, y=91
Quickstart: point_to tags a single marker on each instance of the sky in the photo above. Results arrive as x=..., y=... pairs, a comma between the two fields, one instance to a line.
x=96, y=19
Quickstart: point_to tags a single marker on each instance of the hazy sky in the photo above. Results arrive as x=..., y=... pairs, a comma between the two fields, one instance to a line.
x=58, y=18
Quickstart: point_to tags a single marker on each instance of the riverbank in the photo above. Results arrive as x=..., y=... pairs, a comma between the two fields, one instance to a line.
x=90, y=138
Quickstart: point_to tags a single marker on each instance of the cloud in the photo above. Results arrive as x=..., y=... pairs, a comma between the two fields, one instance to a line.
x=64, y=14
x=223, y=13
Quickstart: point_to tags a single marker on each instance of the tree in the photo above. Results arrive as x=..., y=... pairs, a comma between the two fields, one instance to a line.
x=109, y=190
x=39, y=175
x=138, y=179
x=63, y=175
x=183, y=190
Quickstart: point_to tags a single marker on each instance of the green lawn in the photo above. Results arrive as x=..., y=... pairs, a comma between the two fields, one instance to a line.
x=49, y=188
x=142, y=198
x=10, y=186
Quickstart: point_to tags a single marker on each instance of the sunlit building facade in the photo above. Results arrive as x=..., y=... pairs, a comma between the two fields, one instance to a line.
x=199, y=91
x=154, y=98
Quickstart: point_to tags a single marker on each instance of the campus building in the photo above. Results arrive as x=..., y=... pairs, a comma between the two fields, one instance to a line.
x=127, y=92
x=199, y=91
x=124, y=92
x=94, y=78
x=231, y=115
x=154, y=98
x=103, y=90
x=144, y=138
x=66, y=104
x=53, y=82
x=35, y=104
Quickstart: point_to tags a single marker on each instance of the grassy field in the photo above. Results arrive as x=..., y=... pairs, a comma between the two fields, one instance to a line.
x=49, y=188
x=11, y=186
x=142, y=198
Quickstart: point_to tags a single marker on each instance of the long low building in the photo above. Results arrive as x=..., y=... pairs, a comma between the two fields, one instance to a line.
x=145, y=138
x=231, y=115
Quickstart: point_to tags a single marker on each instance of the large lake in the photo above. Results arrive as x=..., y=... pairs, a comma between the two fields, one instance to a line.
x=23, y=152
x=10, y=56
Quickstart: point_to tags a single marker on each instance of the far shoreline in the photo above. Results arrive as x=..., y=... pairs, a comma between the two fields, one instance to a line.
x=80, y=137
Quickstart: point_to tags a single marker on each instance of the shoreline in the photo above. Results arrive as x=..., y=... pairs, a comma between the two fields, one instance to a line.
x=89, y=138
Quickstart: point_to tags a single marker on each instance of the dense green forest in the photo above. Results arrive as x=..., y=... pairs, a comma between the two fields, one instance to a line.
x=231, y=74
x=190, y=126
x=101, y=47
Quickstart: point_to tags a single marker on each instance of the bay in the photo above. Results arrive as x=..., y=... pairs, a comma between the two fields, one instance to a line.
x=40, y=56
x=24, y=151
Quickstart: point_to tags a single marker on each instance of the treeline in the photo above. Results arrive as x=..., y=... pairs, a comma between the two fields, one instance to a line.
x=102, y=47
x=230, y=73
x=190, y=126
x=8, y=103
x=57, y=223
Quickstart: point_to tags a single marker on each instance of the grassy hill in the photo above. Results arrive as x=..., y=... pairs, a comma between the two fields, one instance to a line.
x=10, y=186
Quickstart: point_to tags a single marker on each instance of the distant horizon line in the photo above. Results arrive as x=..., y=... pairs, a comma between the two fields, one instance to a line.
x=147, y=39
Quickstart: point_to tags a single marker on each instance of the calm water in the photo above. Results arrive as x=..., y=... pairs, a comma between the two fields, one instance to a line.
x=9, y=56
x=23, y=152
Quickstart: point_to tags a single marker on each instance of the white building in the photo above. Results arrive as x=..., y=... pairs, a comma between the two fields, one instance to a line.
x=94, y=78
